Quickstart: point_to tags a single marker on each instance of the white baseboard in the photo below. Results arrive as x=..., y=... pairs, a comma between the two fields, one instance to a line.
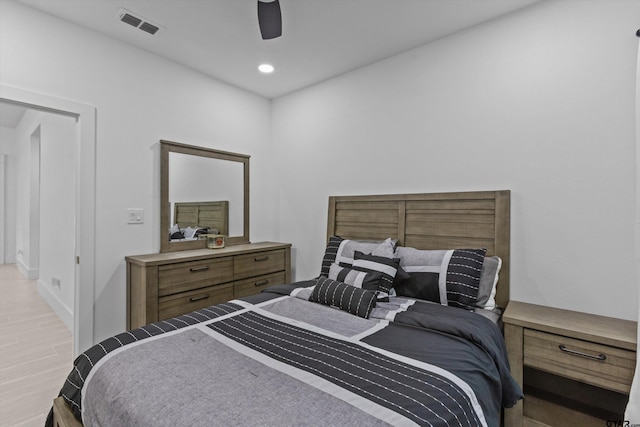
x=29, y=273
x=54, y=302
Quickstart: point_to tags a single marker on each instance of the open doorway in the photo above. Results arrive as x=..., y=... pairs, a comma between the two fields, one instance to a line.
x=83, y=202
x=42, y=202
x=2, y=208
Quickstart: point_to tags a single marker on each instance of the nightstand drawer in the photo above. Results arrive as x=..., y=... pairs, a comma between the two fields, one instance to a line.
x=175, y=305
x=259, y=263
x=186, y=276
x=600, y=365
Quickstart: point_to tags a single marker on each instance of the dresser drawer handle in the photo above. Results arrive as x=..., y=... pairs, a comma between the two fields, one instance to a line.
x=261, y=283
x=261, y=258
x=197, y=269
x=601, y=357
x=200, y=298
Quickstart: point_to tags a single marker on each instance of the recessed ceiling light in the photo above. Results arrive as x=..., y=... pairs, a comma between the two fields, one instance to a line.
x=266, y=68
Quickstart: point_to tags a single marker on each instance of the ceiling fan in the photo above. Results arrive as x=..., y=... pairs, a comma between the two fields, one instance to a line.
x=270, y=19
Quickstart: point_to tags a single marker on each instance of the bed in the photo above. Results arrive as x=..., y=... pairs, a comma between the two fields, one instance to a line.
x=193, y=218
x=401, y=327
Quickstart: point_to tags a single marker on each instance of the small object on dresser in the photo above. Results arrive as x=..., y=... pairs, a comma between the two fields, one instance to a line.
x=215, y=241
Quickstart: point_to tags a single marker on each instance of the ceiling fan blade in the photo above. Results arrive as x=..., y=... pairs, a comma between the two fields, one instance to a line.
x=270, y=19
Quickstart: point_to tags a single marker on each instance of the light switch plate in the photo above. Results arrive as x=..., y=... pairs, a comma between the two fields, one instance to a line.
x=135, y=216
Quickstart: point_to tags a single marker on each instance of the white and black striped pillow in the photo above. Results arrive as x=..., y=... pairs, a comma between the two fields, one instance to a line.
x=463, y=277
x=388, y=267
x=330, y=253
x=342, y=251
x=359, y=279
x=449, y=277
x=345, y=297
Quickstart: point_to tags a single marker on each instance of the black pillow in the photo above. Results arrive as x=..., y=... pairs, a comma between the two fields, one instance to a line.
x=345, y=297
x=420, y=285
x=177, y=235
x=359, y=279
x=387, y=266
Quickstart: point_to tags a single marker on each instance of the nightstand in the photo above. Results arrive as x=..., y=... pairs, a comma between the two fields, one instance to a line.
x=575, y=368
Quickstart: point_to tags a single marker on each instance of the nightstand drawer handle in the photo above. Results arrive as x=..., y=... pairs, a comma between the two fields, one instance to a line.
x=601, y=357
x=197, y=269
x=261, y=283
x=261, y=258
x=200, y=298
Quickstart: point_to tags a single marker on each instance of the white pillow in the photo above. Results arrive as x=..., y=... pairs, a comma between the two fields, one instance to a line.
x=189, y=232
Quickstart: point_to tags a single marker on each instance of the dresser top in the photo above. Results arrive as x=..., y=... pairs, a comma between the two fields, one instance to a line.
x=601, y=329
x=198, y=254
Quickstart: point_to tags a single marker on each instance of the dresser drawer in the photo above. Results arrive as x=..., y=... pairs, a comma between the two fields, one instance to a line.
x=600, y=365
x=184, y=302
x=255, y=285
x=258, y=263
x=186, y=276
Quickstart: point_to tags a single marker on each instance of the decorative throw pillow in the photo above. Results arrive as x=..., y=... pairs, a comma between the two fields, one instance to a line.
x=189, y=232
x=345, y=297
x=384, y=249
x=341, y=251
x=449, y=277
x=488, y=283
x=388, y=267
x=359, y=279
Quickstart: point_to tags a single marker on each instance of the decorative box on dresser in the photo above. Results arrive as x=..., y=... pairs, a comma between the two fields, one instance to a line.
x=575, y=368
x=160, y=286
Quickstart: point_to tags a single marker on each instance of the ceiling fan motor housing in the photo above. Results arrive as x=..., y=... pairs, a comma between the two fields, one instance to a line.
x=270, y=19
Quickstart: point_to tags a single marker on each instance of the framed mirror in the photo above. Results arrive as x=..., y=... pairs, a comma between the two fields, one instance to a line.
x=202, y=191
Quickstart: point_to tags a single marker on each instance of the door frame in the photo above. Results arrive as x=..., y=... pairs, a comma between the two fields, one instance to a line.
x=85, y=159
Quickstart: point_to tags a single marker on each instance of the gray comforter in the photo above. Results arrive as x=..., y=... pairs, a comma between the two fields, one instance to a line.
x=281, y=360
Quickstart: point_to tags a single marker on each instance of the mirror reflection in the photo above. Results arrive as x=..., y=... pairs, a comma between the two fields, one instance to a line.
x=203, y=191
x=215, y=207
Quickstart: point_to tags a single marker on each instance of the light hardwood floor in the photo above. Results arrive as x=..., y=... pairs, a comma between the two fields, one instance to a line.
x=35, y=352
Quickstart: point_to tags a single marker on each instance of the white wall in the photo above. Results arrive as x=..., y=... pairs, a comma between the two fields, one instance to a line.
x=27, y=251
x=540, y=102
x=139, y=99
x=57, y=212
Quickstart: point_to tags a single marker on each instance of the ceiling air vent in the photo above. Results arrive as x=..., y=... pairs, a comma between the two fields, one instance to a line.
x=138, y=21
x=149, y=28
x=130, y=19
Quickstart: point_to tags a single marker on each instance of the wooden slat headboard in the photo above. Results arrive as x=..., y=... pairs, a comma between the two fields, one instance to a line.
x=479, y=219
x=214, y=215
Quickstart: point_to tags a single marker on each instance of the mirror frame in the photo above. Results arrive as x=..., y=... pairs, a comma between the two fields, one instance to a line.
x=167, y=147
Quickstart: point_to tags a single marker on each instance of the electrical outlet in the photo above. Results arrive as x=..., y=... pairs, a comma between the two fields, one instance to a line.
x=135, y=216
x=55, y=282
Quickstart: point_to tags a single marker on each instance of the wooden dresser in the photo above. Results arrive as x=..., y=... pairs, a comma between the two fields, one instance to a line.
x=575, y=368
x=160, y=286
